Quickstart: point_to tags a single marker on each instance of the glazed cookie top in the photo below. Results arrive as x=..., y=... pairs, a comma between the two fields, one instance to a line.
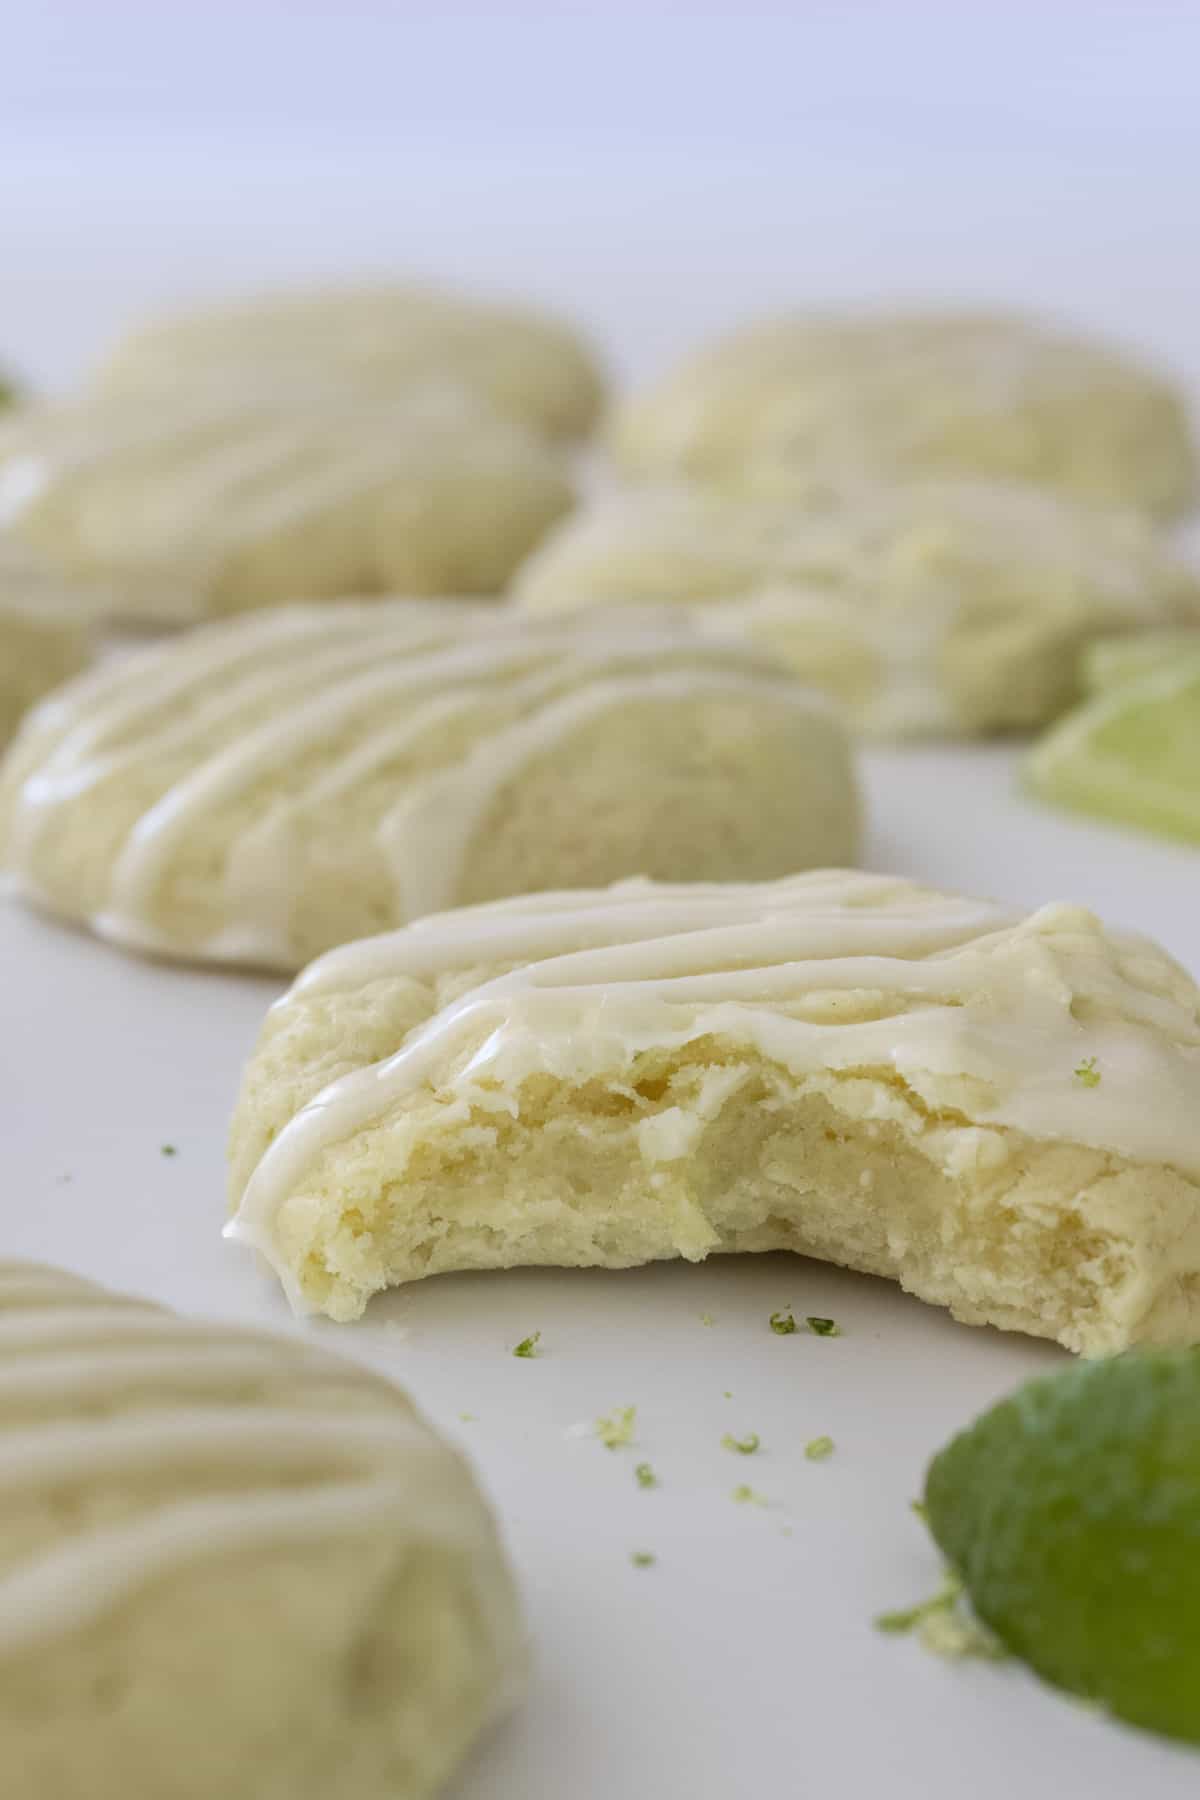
x=882, y=547
x=810, y=396
x=524, y=363
x=913, y=577
x=32, y=592
x=46, y=627
x=133, y=1441
x=442, y=703
x=1050, y=1024
x=242, y=492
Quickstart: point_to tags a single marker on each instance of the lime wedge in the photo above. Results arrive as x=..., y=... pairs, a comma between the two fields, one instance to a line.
x=1072, y=1514
x=1112, y=660
x=1132, y=753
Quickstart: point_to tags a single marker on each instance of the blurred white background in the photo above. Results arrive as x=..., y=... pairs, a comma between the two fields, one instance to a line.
x=656, y=167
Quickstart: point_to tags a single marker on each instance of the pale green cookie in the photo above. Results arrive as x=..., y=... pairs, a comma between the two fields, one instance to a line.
x=235, y=493
x=44, y=633
x=382, y=338
x=231, y=1565
x=1000, y=1113
x=260, y=790
x=956, y=606
x=807, y=398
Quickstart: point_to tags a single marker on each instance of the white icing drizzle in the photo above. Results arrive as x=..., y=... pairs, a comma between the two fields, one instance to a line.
x=902, y=649
x=224, y=1441
x=81, y=761
x=374, y=341
x=160, y=496
x=242, y=704
x=1010, y=1005
x=889, y=571
x=66, y=1590
x=849, y=393
x=287, y=735
x=431, y=830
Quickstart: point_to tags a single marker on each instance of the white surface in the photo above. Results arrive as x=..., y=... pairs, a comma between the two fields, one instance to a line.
x=744, y=1663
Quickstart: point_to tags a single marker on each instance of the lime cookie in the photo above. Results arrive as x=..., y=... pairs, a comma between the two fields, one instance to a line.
x=805, y=398
x=229, y=496
x=953, y=606
x=519, y=362
x=44, y=634
x=260, y=791
x=230, y=1564
x=1002, y=1113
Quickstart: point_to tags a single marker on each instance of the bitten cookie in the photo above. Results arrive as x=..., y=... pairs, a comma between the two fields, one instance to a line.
x=947, y=607
x=230, y=1564
x=232, y=495
x=521, y=363
x=44, y=633
x=1001, y=1113
x=809, y=397
x=260, y=791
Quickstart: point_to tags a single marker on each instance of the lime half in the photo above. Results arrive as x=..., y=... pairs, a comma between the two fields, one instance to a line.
x=1132, y=753
x=1072, y=1513
x=1110, y=661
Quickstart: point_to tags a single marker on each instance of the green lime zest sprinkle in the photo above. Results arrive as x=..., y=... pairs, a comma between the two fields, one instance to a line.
x=615, y=1429
x=643, y=1559
x=782, y=1324
x=824, y=1327
x=746, y=1496
x=728, y=1392
x=744, y=1446
x=645, y=1476
x=467, y=1418
x=528, y=1346
x=818, y=1449
x=172, y=1149
x=897, y=1624
x=1087, y=1073
x=707, y=1319
x=955, y=1633
x=943, y=1626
